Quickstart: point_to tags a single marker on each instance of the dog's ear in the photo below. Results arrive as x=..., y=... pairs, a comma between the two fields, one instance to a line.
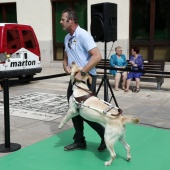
x=74, y=68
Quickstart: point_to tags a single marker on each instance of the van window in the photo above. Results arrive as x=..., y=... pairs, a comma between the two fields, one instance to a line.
x=29, y=41
x=13, y=39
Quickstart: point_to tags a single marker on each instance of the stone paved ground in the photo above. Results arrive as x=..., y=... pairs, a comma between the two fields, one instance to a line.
x=41, y=106
x=149, y=105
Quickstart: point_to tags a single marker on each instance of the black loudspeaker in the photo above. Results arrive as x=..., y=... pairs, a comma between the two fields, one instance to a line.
x=104, y=22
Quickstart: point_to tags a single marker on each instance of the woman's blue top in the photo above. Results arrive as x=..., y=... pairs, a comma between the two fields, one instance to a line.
x=138, y=61
x=119, y=62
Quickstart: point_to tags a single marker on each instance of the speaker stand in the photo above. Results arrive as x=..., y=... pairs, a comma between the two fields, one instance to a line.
x=106, y=82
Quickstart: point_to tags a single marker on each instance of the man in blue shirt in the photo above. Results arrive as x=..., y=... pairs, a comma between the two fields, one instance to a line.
x=80, y=48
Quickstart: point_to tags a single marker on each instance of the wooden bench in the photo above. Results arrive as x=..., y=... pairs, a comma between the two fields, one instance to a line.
x=150, y=68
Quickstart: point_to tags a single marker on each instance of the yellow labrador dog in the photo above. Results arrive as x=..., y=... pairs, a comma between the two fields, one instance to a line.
x=92, y=108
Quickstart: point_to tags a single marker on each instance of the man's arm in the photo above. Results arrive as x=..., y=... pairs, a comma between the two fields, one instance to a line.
x=94, y=60
x=65, y=64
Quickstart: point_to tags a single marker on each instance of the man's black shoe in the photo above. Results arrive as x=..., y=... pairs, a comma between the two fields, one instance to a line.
x=102, y=146
x=75, y=146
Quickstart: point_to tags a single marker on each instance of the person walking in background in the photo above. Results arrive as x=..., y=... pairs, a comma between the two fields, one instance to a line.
x=118, y=60
x=136, y=61
x=80, y=48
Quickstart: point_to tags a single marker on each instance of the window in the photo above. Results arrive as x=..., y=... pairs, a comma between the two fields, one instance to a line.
x=13, y=39
x=140, y=20
x=162, y=20
x=150, y=28
x=8, y=13
x=28, y=39
x=58, y=34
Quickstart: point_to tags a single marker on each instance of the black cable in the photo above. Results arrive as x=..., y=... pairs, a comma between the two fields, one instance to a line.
x=49, y=77
x=15, y=81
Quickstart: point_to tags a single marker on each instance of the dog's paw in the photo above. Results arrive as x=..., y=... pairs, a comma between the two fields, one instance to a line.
x=128, y=158
x=108, y=163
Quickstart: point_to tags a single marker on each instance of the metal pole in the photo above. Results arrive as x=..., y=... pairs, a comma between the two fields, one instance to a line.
x=8, y=146
x=6, y=114
x=105, y=75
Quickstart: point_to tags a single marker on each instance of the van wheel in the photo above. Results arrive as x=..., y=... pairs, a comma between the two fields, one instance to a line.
x=26, y=79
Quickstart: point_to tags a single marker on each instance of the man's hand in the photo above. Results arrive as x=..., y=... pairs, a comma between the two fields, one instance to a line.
x=78, y=76
x=67, y=69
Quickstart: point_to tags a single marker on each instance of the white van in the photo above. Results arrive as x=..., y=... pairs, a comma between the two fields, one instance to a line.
x=19, y=52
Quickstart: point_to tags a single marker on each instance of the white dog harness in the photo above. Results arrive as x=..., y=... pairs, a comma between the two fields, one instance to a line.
x=80, y=104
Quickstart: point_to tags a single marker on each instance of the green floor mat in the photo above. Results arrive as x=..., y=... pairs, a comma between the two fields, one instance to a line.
x=149, y=151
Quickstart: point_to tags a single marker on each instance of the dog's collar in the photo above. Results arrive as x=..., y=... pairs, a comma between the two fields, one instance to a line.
x=80, y=81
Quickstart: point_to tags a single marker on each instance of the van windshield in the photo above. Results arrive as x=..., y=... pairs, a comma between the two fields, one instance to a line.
x=29, y=41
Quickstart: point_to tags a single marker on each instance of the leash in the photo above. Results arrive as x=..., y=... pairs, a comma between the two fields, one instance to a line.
x=86, y=90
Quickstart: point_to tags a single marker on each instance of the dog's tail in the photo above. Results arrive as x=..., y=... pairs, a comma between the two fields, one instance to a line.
x=130, y=120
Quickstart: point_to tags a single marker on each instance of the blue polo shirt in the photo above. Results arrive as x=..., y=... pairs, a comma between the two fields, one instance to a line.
x=77, y=47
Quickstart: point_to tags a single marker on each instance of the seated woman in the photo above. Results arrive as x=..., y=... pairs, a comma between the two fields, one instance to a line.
x=136, y=62
x=118, y=60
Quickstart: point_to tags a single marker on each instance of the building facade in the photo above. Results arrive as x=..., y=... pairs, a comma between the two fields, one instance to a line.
x=143, y=23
